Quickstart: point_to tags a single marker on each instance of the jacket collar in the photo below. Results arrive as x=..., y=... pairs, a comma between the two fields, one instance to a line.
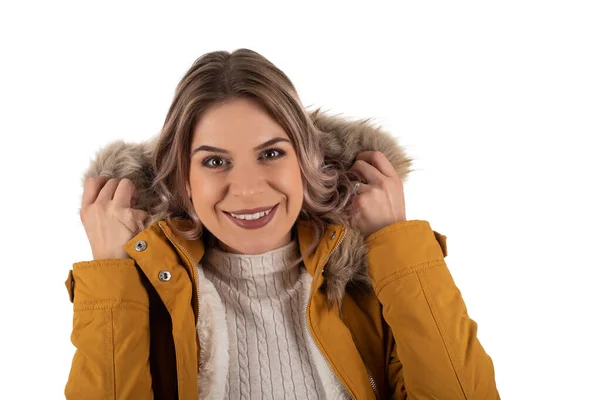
x=333, y=235
x=322, y=320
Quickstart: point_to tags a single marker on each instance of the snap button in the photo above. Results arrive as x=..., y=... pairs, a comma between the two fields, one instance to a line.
x=332, y=235
x=164, y=275
x=140, y=245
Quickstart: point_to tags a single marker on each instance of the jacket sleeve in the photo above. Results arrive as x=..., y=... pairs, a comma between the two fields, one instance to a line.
x=110, y=331
x=436, y=352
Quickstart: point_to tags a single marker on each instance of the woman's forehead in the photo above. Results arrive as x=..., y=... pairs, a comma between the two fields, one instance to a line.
x=236, y=124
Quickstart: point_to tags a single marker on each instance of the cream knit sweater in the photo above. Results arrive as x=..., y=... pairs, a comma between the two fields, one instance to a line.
x=271, y=354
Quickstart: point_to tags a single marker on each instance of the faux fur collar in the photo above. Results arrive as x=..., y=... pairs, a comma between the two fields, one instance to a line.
x=342, y=140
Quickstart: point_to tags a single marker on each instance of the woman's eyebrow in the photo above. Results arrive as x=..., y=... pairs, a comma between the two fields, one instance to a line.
x=213, y=149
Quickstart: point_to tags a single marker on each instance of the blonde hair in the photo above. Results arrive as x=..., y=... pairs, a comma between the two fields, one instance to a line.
x=221, y=76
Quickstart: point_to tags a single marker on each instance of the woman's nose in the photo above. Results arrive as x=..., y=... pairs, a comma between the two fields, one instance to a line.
x=246, y=181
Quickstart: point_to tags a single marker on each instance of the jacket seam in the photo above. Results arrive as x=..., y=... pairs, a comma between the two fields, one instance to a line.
x=404, y=225
x=102, y=265
x=112, y=299
x=442, y=330
x=395, y=275
x=110, y=306
x=114, y=369
x=178, y=367
x=107, y=350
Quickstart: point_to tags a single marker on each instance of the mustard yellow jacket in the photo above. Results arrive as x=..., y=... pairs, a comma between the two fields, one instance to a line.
x=384, y=311
x=410, y=337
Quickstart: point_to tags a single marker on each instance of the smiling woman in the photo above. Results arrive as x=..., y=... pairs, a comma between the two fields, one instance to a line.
x=238, y=138
x=238, y=256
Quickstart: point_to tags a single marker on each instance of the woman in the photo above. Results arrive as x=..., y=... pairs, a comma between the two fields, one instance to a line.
x=255, y=250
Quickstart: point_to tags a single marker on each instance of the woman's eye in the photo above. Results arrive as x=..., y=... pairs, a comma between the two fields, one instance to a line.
x=273, y=153
x=214, y=162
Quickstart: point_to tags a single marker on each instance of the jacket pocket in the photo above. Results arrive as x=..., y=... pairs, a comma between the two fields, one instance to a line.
x=110, y=332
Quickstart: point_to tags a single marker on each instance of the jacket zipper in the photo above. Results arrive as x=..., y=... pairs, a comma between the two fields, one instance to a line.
x=320, y=271
x=373, y=384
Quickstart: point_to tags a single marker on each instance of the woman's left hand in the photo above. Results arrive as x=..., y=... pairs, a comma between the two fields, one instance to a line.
x=379, y=200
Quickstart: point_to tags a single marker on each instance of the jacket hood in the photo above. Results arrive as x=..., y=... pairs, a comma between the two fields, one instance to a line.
x=342, y=140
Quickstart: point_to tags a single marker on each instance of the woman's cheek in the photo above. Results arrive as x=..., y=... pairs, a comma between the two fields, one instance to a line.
x=290, y=179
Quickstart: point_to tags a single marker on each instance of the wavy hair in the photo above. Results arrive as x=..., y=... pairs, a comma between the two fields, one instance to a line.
x=218, y=77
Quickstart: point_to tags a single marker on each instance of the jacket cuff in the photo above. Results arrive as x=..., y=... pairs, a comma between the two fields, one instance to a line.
x=108, y=283
x=402, y=248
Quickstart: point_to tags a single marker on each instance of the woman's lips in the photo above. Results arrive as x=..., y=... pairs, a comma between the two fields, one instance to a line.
x=251, y=211
x=256, y=223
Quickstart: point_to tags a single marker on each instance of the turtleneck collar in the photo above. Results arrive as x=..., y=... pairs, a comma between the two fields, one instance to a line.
x=250, y=266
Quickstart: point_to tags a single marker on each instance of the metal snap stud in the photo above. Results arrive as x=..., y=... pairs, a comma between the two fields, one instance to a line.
x=140, y=245
x=164, y=275
x=332, y=235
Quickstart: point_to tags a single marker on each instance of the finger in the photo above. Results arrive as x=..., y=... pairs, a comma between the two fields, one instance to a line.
x=134, y=199
x=140, y=216
x=124, y=193
x=360, y=188
x=379, y=161
x=363, y=188
x=367, y=172
x=108, y=190
x=91, y=188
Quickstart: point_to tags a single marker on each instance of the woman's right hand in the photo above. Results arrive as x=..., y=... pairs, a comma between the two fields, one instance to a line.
x=108, y=217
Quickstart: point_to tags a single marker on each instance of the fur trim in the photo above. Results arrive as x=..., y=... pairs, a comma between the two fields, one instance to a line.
x=214, y=342
x=342, y=141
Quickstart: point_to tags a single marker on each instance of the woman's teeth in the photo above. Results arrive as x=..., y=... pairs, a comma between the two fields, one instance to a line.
x=251, y=216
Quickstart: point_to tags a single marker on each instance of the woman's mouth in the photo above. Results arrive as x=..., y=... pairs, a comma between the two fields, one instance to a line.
x=255, y=220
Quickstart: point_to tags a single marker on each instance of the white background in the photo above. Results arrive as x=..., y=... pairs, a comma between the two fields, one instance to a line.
x=498, y=101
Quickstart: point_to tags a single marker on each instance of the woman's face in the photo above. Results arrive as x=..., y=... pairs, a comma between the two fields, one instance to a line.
x=243, y=163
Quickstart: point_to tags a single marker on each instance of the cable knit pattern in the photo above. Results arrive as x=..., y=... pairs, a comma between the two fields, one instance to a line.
x=242, y=343
x=281, y=335
x=261, y=335
x=269, y=353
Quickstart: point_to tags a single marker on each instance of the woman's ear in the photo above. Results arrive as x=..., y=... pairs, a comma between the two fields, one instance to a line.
x=188, y=192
